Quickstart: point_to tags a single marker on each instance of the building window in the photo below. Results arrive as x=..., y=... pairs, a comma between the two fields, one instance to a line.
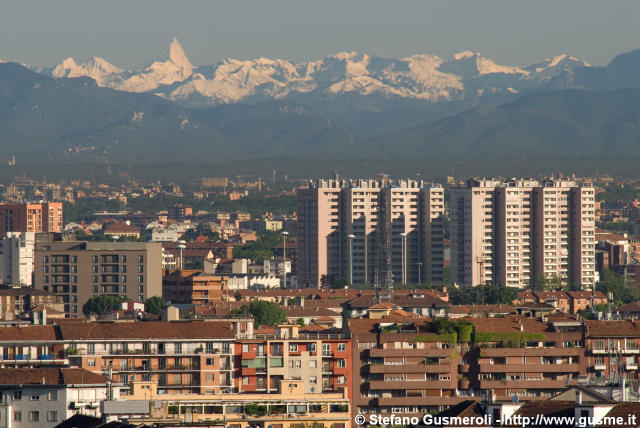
x=74, y=279
x=313, y=380
x=141, y=299
x=95, y=288
x=342, y=363
x=245, y=347
x=74, y=268
x=245, y=380
x=34, y=396
x=52, y=416
x=75, y=309
x=312, y=347
x=313, y=364
x=123, y=259
x=17, y=395
x=123, y=278
x=342, y=379
x=94, y=268
x=91, y=362
x=140, y=278
x=34, y=416
x=95, y=279
x=45, y=269
x=140, y=259
x=293, y=347
x=17, y=416
x=140, y=288
x=123, y=288
x=45, y=279
x=326, y=349
x=53, y=395
x=342, y=346
x=178, y=348
x=94, y=259
x=140, y=268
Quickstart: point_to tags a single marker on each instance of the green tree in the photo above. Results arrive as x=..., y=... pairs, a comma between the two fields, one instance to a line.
x=263, y=313
x=155, y=305
x=100, y=305
x=300, y=322
x=614, y=283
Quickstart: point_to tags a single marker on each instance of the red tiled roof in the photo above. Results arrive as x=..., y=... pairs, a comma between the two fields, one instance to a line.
x=626, y=328
x=120, y=227
x=49, y=376
x=152, y=329
x=28, y=333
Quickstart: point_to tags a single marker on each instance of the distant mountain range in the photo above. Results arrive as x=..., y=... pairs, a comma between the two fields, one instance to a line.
x=464, y=76
x=345, y=106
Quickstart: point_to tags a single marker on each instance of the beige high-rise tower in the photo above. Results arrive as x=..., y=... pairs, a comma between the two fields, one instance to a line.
x=364, y=229
x=521, y=232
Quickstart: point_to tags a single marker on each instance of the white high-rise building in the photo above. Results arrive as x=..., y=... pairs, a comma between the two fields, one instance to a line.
x=16, y=258
x=519, y=232
x=365, y=229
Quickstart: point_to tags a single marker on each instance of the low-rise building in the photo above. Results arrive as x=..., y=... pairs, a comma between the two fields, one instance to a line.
x=44, y=397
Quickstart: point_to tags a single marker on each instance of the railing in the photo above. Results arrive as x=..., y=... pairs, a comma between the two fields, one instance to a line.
x=303, y=336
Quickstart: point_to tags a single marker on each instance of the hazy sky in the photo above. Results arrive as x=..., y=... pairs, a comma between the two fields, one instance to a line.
x=131, y=32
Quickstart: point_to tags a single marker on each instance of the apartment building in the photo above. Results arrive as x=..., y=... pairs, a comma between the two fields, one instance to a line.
x=322, y=361
x=401, y=366
x=20, y=301
x=45, y=217
x=518, y=232
x=524, y=357
x=180, y=356
x=192, y=287
x=613, y=349
x=77, y=271
x=289, y=407
x=44, y=397
x=368, y=230
x=16, y=258
x=31, y=346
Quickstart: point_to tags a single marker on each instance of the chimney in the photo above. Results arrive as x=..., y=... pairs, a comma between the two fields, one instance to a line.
x=578, y=398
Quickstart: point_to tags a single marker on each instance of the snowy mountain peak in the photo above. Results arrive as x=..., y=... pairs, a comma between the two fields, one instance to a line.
x=463, y=55
x=175, y=54
x=96, y=68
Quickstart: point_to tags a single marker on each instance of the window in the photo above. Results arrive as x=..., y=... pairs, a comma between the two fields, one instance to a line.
x=94, y=259
x=74, y=259
x=17, y=395
x=34, y=416
x=342, y=379
x=53, y=395
x=91, y=362
x=123, y=278
x=245, y=380
x=94, y=268
x=140, y=278
x=95, y=281
x=326, y=349
x=245, y=347
x=52, y=416
x=74, y=269
x=45, y=259
x=140, y=288
x=178, y=348
x=123, y=288
x=17, y=416
x=211, y=362
x=313, y=380
x=140, y=259
x=293, y=347
x=342, y=363
x=313, y=364
x=123, y=259
x=342, y=346
x=312, y=347
x=35, y=396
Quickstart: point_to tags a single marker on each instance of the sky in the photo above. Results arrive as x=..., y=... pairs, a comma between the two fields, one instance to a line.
x=129, y=33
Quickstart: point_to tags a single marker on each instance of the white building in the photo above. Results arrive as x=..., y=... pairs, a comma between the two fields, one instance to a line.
x=16, y=258
x=44, y=397
x=516, y=232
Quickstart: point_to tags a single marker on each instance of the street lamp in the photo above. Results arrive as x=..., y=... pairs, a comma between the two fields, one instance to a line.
x=404, y=270
x=284, y=256
x=350, y=237
x=419, y=264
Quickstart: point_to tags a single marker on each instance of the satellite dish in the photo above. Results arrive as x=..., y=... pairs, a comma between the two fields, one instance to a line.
x=515, y=399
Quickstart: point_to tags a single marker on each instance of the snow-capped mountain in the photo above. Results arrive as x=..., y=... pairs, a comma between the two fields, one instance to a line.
x=419, y=77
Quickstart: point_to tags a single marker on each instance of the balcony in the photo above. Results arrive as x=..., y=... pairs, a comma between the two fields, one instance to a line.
x=528, y=383
x=412, y=384
x=417, y=401
x=410, y=368
x=631, y=366
x=529, y=368
x=428, y=352
x=599, y=366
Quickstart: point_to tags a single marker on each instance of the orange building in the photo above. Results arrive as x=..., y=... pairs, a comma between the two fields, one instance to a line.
x=192, y=287
x=46, y=217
